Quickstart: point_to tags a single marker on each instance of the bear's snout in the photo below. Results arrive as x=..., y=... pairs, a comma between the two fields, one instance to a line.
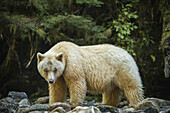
x=51, y=81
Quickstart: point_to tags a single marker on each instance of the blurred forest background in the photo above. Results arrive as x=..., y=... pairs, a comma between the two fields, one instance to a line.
x=30, y=26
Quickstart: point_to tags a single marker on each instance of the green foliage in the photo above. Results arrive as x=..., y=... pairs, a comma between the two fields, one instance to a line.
x=124, y=26
x=153, y=58
x=95, y=3
x=63, y=26
x=48, y=6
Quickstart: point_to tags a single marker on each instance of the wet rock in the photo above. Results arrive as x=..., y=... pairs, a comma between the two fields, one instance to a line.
x=163, y=108
x=40, y=106
x=43, y=100
x=24, y=102
x=80, y=109
x=159, y=102
x=8, y=100
x=4, y=109
x=151, y=109
x=105, y=108
x=39, y=112
x=91, y=103
x=59, y=110
x=167, y=111
x=127, y=111
x=146, y=103
x=17, y=95
x=122, y=104
x=167, y=102
x=8, y=103
x=65, y=106
x=13, y=105
x=36, y=107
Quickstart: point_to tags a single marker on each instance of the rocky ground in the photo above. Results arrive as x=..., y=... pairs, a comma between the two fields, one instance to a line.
x=17, y=102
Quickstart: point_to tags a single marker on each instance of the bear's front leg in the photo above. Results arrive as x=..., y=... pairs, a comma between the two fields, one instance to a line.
x=77, y=92
x=57, y=91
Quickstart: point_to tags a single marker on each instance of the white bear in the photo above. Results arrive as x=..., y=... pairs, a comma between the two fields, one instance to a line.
x=101, y=69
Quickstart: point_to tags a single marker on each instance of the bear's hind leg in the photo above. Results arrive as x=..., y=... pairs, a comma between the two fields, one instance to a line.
x=113, y=98
x=131, y=86
x=134, y=95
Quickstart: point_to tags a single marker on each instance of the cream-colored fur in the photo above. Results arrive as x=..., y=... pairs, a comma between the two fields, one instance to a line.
x=100, y=69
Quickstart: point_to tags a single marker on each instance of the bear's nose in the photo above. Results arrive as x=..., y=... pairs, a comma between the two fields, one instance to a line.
x=51, y=81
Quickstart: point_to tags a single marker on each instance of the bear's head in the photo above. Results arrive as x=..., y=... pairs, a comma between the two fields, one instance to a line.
x=50, y=66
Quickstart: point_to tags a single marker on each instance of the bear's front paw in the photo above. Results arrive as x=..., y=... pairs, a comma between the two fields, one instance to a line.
x=65, y=106
x=73, y=105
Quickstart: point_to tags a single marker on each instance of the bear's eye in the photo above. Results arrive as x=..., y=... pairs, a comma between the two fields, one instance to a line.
x=55, y=69
x=46, y=70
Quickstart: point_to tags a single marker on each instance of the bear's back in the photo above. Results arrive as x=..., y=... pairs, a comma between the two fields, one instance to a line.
x=108, y=52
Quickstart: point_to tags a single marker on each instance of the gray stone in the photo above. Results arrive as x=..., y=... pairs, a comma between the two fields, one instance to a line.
x=43, y=100
x=24, y=102
x=59, y=110
x=128, y=110
x=163, y=108
x=122, y=104
x=159, y=102
x=105, y=108
x=91, y=103
x=17, y=95
x=8, y=103
x=80, y=109
x=40, y=106
x=167, y=111
x=4, y=109
x=154, y=102
x=23, y=110
x=151, y=109
x=146, y=103
x=36, y=107
x=39, y=112
x=8, y=100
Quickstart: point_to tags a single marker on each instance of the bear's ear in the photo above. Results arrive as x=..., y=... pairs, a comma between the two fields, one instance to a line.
x=39, y=57
x=59, y=56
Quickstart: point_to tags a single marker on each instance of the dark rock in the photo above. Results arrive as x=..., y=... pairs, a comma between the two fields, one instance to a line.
x=8, y=103
x=4, y=109
x=17, y=95
x=36, y=107
x=91, y=103
x=43, y=100
x=163, y=108
x=159, y=102
x=151, y=109
x=167, y=102
x=128, y=111
x=105, y=108
x=122, y=104
x=8, y=100
x=167, y=111
x=146, y=103
x=154, y=102
x=39, y=112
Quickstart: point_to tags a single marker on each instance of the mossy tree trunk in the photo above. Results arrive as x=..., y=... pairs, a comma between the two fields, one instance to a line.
x=165, y=42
